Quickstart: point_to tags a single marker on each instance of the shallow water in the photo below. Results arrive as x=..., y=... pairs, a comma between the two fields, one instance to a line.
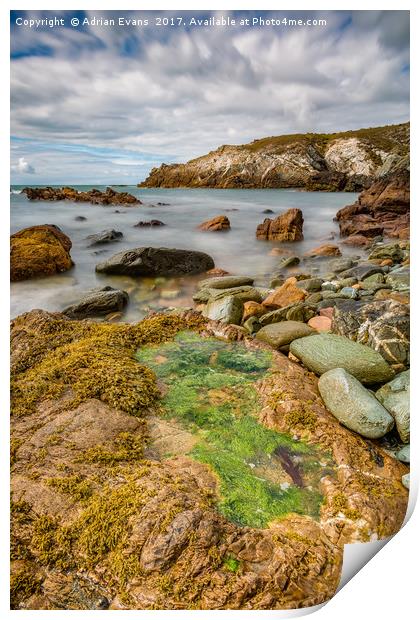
x=237, y=251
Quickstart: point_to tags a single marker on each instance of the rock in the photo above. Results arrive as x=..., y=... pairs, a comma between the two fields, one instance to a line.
x=220, y=222
x=267, y=211
x=39, y=251
x=403, y=454
x=147, y=224
x=349, y=293
x=361, y=271
x=227, y=310
x=341, y=264
x=320, y=323
x=345, y=282
x=301, y=312
x=395, y=397
x=225, y=282
x=147, y=261
x=276, y=282
x=353, y=405
x=314, y=298
x=389, y=251
x=376, y=278
x=387, y=262
x=311, y=285
x=399, y=279
x=106, y=236
x=286, y=227
x=253, y=308
x=324, y=352
x=406, y=481
x=280, y=334
x=98, y=302
x=94, y=196
x=216, y=272
x=252, y=325
x=280, y=252
x=358, y=241
x=328, y=312
x=285, y=295
x=328, y=249
x=289, y=261
x=330, y=286
x=80, y=218
x=383, y=325
x=245, y=293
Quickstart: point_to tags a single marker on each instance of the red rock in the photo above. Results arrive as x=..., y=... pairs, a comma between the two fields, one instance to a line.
x=285, y=295
x=220, y=222
x=320, y=323
x=358, y=240
x=286, y=227
x=327, y=249
x=216, y=271
x=328, y=312
x=386, y=263
x=279, y=252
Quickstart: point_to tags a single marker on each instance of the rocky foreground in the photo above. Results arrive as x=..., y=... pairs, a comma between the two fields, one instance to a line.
x=346, y=161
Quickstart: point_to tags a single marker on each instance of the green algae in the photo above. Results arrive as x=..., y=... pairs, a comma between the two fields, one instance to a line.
x=211, y=391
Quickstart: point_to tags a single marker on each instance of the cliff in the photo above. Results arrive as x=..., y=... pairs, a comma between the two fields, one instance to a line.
x=346, y=161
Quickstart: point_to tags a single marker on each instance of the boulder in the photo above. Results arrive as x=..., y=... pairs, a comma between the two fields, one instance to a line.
x=80, y=218
x=324, y=352
x=285, y=295
x=311, y=285
x=361, y=271
x=288, y=261
x=220, y=222
x=147, y=261
x=245, y=293
x=387, y=251
x=327, y=249
x=341, y=264
x=278, y=335
x=399, y=279
x=403, y=454
x=106, y=236
x=228, y=310
x=225, y=282
x=252, y=308
x=395, y=397
x=358, y=241
x=286, y=227
x=39, y=251
x=148, y=224
x=98, y=302
x=94, y=196
x=383, y=325
x=353, y=405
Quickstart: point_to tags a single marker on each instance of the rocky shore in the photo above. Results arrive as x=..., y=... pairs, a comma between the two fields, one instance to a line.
x=94, y=196
x=346, y=161
x=216, y=456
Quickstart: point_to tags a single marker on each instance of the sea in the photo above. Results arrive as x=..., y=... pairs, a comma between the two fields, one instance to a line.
x=182, y=210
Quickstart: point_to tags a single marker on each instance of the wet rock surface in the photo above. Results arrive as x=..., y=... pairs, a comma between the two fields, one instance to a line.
x=285, y=227
x=98, y=302
x=218, y=223
x=106, y=236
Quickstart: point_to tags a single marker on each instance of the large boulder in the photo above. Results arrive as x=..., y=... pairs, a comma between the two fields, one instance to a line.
x=220, y=222
x=286, y=227
x=280, y=334
x=148, y=261
x=324, y=352
x=354, y=405
x=383, y=325
x=395, y=397
x=98, y=302
x=39, y=251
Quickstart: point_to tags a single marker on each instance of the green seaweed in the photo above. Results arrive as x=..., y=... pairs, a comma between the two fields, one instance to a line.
x=211, y=392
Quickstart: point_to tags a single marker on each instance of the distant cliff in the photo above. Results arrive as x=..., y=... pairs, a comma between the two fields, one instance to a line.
x=346, y=161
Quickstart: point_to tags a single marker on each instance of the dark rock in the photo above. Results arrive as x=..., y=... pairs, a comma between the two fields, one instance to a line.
x=106, y=236
x=267, y=211
x=147, y=261
x=80, y=218
x=94, y=196
x=98, y=302
x=151, y=223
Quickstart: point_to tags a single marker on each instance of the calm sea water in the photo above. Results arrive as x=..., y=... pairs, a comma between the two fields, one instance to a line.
x=237, y=251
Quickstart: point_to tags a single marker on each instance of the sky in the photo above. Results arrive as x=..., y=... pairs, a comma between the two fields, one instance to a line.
x=103, y=104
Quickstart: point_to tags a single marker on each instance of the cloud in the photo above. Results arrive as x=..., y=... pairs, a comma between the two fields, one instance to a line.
x=23, y=167
x=168, y=94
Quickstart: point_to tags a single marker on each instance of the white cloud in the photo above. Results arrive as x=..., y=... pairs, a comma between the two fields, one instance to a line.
x=23, y=167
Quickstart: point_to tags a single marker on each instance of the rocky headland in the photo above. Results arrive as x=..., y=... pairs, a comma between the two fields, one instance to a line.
x=346, y=161
x=94, y=196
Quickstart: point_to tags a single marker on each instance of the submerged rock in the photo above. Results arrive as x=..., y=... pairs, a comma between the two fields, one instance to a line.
x=285, y=227
x=324, y=352
x=395, y=397
x=149, y=224
x=147, y=261
x=39, y=251
x=220, y=222
x=106, y=236
x=278, y=335
x=353, y=404
x=98, y=302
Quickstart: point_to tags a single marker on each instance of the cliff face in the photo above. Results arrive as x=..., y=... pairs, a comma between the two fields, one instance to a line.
x=348, y=161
